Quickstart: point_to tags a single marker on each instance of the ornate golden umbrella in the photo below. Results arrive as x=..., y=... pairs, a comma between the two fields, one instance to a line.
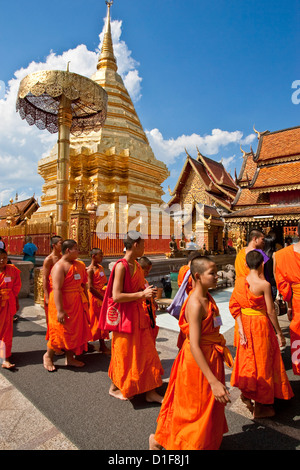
x=63, y=102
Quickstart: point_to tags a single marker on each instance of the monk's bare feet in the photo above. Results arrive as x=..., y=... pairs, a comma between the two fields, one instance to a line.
x=153, y=444
x=8, y=365
x=71, y=361
x=263, y=411
x=59, y=352
x=248, y=403
x=48, y=363
x=152, y=396
x=116, y=393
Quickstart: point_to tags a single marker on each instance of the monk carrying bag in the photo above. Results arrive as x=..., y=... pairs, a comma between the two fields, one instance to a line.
x=117, y=316
x=181, y=295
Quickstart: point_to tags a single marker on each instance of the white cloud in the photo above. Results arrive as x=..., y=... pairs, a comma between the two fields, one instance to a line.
x=21, y=145
x=168, y=150
x=227, y=160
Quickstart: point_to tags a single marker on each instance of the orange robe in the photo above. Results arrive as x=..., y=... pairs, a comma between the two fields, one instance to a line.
x=99, y=281
x=240, y=265
x=258, y=368
x=287, y=275
x=135, y=366
x=190, y=417
x=49, y=287
x=181, y=275
x=75, y=333
x=10, y=285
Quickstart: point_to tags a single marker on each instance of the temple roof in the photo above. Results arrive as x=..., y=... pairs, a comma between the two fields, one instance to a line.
x=247, y=170
x=212, y=177
x=283, y=176
x=18, y=210
x=247, y=198
x=278, y=145
x=275, y=167
x=217, y=171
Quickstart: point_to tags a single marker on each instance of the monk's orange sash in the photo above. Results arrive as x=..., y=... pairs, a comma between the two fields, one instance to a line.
x=296, y=290
x=77, y=290
x=252, y=311
x=4, y=295
x=217, y=340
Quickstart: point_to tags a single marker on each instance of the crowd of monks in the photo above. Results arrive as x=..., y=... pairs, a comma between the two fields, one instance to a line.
x=82, y=307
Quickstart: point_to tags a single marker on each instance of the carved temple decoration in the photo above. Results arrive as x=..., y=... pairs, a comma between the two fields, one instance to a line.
x=204, y=185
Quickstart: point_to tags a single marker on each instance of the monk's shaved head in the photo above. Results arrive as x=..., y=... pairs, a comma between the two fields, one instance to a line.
x=255, y=234
x=199, y=265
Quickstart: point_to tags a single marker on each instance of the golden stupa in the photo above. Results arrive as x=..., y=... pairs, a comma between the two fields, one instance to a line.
x=115, y=161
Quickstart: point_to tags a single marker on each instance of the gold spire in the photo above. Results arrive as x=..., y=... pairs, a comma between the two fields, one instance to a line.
x=107, y=58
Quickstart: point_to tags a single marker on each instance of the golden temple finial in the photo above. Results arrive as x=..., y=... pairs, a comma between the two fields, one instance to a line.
x=107, y=58
x=243, y=151
x=187, y=153
x=256, y=132
x=235, y=175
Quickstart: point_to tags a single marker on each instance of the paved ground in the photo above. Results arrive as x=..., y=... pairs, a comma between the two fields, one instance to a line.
x=71, y=409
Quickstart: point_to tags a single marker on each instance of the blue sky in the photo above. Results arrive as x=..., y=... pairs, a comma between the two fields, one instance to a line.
x=200, y=73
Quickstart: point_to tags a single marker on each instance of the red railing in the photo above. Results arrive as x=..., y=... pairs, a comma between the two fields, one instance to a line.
x=114, y=246
x=111, y=245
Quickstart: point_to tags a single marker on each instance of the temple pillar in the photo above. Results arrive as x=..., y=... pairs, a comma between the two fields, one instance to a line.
x=80, y=230
x=63, y=165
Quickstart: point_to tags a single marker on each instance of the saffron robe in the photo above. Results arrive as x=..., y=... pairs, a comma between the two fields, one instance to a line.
x=258, y=368
x=99, y=281
x=242, y=270
x=190, y=417
x=49, y=288
x=287, y=275
x=10, y=285
x=181, y=275
x=135, y=366
x=75, y=333
x=240, y=265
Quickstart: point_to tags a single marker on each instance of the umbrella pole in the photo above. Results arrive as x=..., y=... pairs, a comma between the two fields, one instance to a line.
x=63, y=164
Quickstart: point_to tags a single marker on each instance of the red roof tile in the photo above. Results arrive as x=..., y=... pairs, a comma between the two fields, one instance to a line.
x=280, y=144
x=283, y=175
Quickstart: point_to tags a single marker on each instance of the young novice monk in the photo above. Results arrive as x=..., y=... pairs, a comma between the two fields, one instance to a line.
x=149, y=304
x=258, y=369
x=135, y=367
x=68, y=308
x=96, y=288
x=10, y=285
x=49, y=262
x=192, y=415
